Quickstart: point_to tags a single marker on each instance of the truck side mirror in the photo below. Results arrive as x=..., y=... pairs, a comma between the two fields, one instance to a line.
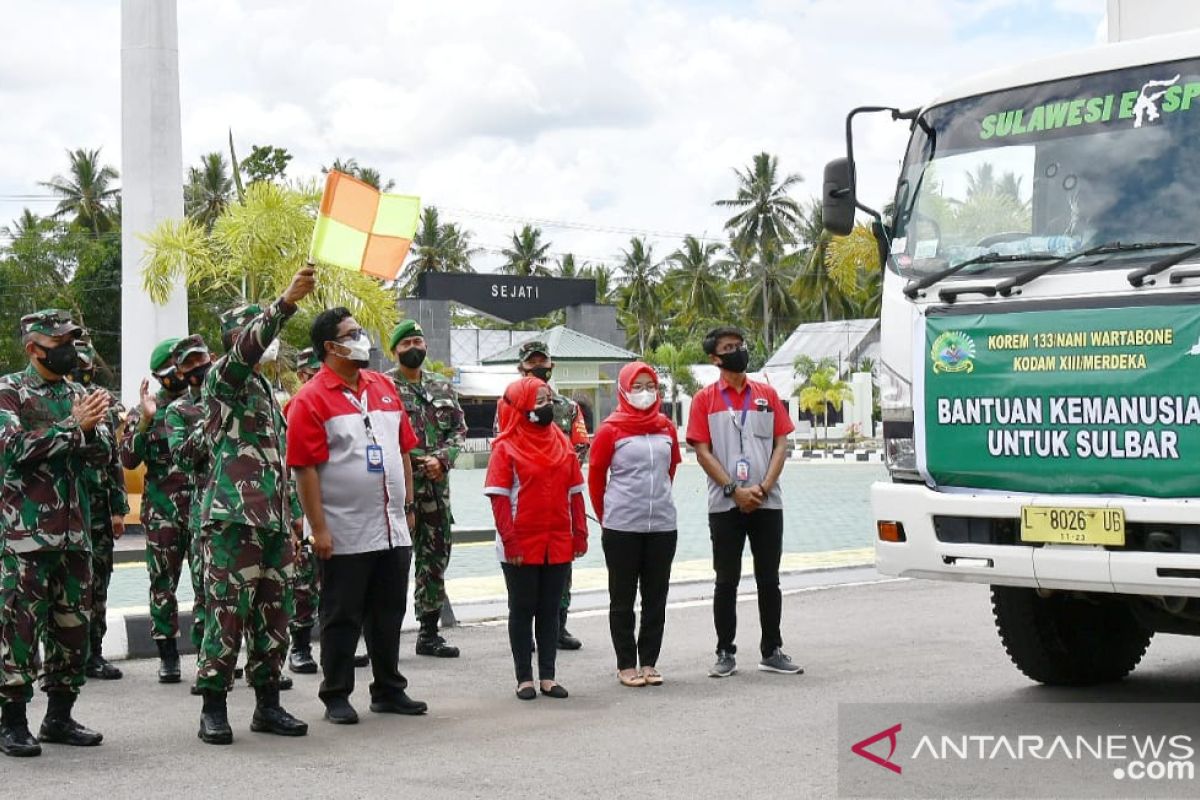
x=837, y=198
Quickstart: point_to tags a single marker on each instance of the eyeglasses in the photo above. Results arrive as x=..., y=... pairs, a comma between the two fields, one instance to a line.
x=353, y=335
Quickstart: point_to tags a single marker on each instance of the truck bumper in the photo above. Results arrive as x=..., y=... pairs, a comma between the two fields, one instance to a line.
x=1064, y=567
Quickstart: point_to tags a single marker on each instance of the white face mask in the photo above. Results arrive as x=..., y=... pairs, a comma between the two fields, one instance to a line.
x=642, y=400
x=360, y=349
x=271, y=353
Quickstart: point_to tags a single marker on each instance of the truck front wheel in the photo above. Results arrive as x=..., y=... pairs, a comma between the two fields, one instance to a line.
x=1068, y=641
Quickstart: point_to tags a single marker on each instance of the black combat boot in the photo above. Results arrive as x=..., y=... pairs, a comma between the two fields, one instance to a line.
x=301, y=661
x=429, y=643
x=101, y=668
x=565, y=640
x=15, y=738
x=214, y=719
x=59, y=728
x=168, y=661
x=270, y=717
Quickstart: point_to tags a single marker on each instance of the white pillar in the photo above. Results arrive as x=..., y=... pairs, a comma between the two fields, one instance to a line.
x=151, y=176
x=863, y=389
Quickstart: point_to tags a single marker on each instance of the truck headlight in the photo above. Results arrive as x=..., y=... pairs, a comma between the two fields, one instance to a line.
x=895, y=395
x=895, y=407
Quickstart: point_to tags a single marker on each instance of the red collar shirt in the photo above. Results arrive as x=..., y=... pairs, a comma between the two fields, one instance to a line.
x=330, y=428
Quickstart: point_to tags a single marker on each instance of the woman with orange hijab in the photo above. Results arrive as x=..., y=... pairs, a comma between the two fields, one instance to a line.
x=536, y=488
x=630, y=473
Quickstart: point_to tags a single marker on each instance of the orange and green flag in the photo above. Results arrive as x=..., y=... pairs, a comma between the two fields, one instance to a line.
x=361, y=229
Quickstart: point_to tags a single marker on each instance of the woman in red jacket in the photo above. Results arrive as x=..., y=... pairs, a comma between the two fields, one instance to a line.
x=536, y=488
x=630, y=473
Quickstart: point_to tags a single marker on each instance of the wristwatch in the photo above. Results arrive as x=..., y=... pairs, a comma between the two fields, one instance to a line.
x=729, y=488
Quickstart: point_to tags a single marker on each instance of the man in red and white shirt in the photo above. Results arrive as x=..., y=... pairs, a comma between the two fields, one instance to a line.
x=739, y=430
x=348, y=441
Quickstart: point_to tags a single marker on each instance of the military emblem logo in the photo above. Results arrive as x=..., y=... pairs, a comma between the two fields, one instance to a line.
x=953, y=351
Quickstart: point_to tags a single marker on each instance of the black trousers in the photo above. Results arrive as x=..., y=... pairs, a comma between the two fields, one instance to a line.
x=363, y=595
x=638, y=559
x=729, y=531
x=534, y=594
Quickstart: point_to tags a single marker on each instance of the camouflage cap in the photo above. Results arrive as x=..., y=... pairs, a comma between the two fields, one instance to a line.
x=189, y=345
x=406, y=328
x=86, y=353
x=238, y=317
x=162, y=353
x=532, y=347
x=50, y=322
x=307, y=359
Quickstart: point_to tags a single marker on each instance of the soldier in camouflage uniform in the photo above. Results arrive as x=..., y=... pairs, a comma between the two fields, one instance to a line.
x=437, y=419
x=535, y=362
x=50, y=429
x=166, y=497
x=246, y=519
x=306, y=588
x=109, y=505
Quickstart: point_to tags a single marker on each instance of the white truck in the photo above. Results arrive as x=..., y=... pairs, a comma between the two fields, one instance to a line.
x=1040, y=375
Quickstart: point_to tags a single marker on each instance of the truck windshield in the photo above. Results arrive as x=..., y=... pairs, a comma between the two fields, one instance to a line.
x=1052, y=169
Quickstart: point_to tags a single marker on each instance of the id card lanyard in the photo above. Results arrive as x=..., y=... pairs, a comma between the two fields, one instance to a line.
x=742, y=467
x=374, y=451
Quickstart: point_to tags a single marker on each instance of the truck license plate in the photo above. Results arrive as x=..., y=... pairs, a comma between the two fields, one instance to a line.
x=1056, y=525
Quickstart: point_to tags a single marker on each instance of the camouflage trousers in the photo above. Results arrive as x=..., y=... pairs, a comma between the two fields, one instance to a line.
x=431, y=556
x=246, y=576
x=102, y=570
x=167, y=545
x=306, y=589
x=196, y=570
x=44, y=596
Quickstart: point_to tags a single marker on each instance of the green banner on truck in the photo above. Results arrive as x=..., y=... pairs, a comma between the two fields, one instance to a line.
x=1071, y=401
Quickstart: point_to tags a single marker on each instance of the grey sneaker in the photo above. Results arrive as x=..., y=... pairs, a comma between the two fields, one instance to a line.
x=780, y=662
x=726, y=665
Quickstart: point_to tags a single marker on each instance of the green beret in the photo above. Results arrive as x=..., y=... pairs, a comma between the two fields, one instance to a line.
x=531, y=347
x=162, y=353
x=406, y=328
x=239, y=317
x=50, y=322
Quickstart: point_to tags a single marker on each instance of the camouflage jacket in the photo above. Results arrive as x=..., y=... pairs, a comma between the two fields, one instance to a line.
x=106, y=485
x=167, y=489
x=568, y=416
x=437, y=419
x=43, y=452
x=245, y=433
x=184, y=422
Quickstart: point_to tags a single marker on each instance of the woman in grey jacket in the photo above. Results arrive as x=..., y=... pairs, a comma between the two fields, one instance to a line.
x=631, y=467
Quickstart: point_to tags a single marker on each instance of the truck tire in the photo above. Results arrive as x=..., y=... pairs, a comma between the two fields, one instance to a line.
x=1066, y=641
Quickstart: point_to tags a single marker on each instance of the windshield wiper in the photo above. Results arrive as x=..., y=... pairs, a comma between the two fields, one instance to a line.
x=911, y=289
x=1005, y=288
x=1138, y=276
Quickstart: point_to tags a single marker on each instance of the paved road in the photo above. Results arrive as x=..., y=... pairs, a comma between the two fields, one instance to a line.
x=752, y=735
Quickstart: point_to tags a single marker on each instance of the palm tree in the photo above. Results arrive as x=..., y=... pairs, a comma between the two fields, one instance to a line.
x=528, y=255
x=606, y=289
x=697, y=280
x=370, y=175
x=822, y=390
x=437, y=247
x=768, y=217
x=770, y=291
x=209, y=190
x=567, y=267
x=640, y=294
x=675, y=363
x=88, y=193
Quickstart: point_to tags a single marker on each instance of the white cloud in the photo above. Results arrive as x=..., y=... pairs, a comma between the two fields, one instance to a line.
x=610, y=112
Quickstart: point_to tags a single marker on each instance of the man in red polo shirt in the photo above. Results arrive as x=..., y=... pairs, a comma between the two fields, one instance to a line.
x=739, y=430
x=348, y=443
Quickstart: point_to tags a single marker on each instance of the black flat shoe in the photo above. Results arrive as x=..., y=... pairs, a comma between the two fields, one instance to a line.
x=556, y=691
x=527, y=693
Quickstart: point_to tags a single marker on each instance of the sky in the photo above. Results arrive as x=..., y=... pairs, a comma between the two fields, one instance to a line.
x=596, y=119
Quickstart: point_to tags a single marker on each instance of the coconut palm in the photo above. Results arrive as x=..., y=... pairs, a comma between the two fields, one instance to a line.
x=567, y=268
x=528, y=254
x=696, y=278
x=675, y=363
x=209, y=190
x=770, y=291
x=437, y=247
x=640, y=295
x=87, y=193
x=822, y=390
x=606, y=283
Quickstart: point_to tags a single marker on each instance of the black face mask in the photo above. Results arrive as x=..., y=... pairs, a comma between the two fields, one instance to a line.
x=196, y=376
x=542, y=415
x=61, y=359
x=735, y=361
x=83, y=376
x=542, y=373
x=171, y=381
x=412, y=358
